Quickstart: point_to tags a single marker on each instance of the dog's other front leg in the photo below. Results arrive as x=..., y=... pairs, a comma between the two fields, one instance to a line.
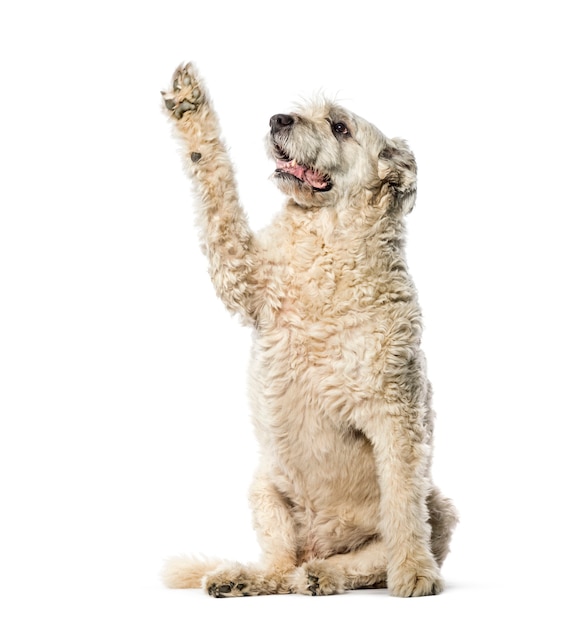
x=402, y=455
x=225, y=233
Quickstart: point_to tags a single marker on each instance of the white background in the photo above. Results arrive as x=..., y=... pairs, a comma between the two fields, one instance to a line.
x=125, y=434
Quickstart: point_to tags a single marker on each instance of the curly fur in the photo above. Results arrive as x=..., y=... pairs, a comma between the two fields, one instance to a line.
x=343, y=496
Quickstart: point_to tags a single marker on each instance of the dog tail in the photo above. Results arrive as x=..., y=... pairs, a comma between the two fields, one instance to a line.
x=187, y=572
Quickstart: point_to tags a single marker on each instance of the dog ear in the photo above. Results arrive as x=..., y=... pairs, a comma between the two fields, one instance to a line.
x=397, y=167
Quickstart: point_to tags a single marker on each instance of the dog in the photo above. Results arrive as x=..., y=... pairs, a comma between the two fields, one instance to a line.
x=343, y=496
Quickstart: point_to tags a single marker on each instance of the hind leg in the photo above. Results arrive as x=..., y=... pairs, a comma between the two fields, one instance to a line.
x=277, y=537
x=365, y=567
x=231, y=580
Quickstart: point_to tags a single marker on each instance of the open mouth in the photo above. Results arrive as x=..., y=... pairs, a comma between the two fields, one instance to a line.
x=285, y=166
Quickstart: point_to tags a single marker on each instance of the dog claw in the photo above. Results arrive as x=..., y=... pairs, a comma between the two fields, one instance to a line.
x=169, y=104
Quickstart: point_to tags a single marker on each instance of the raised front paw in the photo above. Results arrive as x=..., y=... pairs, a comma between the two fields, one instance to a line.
x=186, y=93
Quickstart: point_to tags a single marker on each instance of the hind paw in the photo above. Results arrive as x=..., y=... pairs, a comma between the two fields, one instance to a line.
x=227, y=589
x=235, y=580
x=317, y=578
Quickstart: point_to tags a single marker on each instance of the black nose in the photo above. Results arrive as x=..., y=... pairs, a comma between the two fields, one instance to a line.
x=279, y=121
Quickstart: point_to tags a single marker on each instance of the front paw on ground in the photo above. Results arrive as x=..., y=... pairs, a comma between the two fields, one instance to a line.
x=186, y=93
x=415, y=586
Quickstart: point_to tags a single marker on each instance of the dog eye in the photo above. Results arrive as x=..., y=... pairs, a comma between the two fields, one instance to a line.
x=340, y=129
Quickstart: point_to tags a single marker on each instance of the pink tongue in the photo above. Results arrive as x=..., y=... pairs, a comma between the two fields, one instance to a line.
x=296, y=170
x=315, y=179
x=302, y=173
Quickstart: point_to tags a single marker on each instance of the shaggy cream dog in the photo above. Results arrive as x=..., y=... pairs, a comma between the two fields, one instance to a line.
x=343, y=496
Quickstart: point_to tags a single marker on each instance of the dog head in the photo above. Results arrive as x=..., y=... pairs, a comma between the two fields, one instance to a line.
x=325, y=153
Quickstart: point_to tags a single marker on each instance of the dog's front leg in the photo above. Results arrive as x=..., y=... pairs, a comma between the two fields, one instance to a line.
x=402, y=455
x=226, y=236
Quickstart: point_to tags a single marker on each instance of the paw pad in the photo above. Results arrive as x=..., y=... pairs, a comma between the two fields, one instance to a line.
x=185, y=94
x=313, y=587
x=225, y=590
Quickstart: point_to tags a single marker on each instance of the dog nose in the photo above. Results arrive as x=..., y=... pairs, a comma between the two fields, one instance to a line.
x=279, y=121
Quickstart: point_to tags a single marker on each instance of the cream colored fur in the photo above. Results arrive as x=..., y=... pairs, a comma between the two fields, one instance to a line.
x=343, y=496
